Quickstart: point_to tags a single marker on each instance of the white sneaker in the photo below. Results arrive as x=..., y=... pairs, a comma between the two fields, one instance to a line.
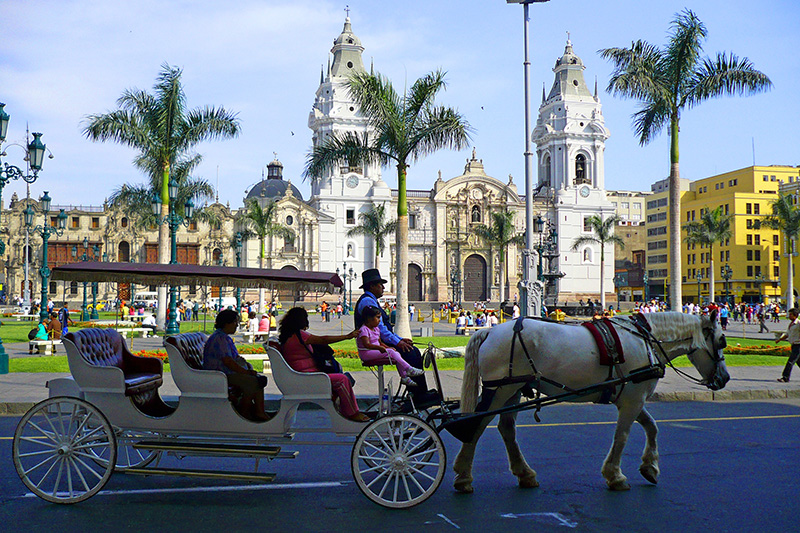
x=414, y=372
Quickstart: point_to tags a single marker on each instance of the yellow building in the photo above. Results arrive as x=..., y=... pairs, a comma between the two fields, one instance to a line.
x=657, y=237
x=753, y=253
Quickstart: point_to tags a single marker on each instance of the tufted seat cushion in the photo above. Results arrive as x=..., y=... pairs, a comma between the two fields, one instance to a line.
x=106, y=347
x=191, y=346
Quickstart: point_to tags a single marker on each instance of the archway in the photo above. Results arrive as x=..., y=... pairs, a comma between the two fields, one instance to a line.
x=124, y=252
x=289, y=294
x=475, y=279
x=414, y=283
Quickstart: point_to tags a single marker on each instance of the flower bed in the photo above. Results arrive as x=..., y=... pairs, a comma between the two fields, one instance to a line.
x=764, y=349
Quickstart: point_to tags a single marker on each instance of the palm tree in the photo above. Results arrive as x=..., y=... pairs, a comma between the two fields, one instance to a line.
x=712, y=228
x=501, y=234
x=785, y=217
x=402, y=128
x=603, y=234
x=260, y=222
x=373, y=224
x=164, y=133
x=667, y=81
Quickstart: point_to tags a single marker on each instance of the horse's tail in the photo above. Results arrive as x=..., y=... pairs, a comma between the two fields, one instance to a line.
x=470, y=385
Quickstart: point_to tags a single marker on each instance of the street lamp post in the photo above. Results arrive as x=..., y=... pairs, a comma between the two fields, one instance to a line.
x=699, y=279
x=348, y=276
x=84, y=258
x=646, y=282
x=727, y=273
x=45, y=230
x=538, y=228
x=34, y=155
x=238, y=239
x=173, y=220
x=527, y=283
x=760, y=281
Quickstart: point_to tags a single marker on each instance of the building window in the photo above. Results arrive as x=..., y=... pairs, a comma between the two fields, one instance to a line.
x=756, y=209
x=288, y=244
x=587, y=225
x=476, y=214
x=637, y=206
x=54, y=222
x=776, y=272
x=95, y=222
x=749, y=222
x=749, y=255
x=758, y=239
x=626, y=205
x=749, y=271
x=75, y=223
x=749, y=240
x=124, y=222
x=73, y=288
x=547, y=170
x=289, y=220
x=757, y=255
x=775, y=240
x=412, y=221
x=351, y=216
x=53, y=287
x=776, y=255
x=192, y=225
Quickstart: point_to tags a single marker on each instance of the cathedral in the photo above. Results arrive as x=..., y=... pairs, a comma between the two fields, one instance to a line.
x=447, y=259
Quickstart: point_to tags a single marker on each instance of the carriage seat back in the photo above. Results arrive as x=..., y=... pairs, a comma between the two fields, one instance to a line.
x=106, y=348
x=190, y=346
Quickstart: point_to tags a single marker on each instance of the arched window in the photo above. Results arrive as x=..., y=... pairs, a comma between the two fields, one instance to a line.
x=547, y=170
x=216, y=257
x=587, y=255
x=581, y=175
x=288, y=243
x=476, y=213
x=124, y=222
x=73, y=288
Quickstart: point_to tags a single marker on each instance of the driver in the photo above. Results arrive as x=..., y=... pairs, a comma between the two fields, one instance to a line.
x=373, y=285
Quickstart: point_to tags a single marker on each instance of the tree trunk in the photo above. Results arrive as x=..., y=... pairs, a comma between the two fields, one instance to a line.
x=602, y=277
x=676, y=294
x=790, y=291
x=503, y=276
x=711, y=274
x=261, y=302
x=402, y=324
x=163, y=249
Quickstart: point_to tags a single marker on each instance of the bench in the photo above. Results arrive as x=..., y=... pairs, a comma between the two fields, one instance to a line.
x=49, y=346
x=102, y=365
x=250, y=336
x=469, y=330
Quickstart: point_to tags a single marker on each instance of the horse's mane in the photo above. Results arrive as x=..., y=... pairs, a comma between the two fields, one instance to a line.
x=671, y=327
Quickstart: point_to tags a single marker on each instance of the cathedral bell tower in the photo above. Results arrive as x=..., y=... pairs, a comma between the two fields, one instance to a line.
x=570, y=137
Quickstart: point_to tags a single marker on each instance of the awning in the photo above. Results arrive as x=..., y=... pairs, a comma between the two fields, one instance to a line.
x=177, y=275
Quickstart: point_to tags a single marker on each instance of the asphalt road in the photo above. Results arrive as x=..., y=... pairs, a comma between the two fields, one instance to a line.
x=725, y=466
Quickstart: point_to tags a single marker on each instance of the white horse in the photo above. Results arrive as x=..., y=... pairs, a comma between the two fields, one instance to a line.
x=568, y=355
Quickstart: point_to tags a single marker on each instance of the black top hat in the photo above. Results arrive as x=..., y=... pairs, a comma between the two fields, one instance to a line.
x=370, y=276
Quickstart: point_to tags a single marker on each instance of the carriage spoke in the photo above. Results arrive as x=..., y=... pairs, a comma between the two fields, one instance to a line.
x=420, y=472
x=30, y=454
x=379, y=450
x=69, y=476
x=396, y=485
x=52, y=457
x=414, y=479
x=386, y=484
x=374, y=468
x=50, y=423
x=61, y=419
x=40, y=442
x=405, y=484
x=385, y=472
x=58, y=476
x=44, y=433
x=80, y=475
x=87, y=436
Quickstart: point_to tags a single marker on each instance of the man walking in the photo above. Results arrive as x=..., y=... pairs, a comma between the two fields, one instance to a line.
x=793, y=336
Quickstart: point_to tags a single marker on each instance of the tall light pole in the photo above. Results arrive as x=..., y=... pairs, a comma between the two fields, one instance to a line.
x=45, y=230
x=84, y=258
x=34, y=155
x=699, y=279
x=727, y=273
x=530, y=307
x=238, y=239
x=760, y=280
x=173, y=220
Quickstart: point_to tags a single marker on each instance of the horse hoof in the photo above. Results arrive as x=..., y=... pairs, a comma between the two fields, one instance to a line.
x=528, y=482
x=464, y=486
x=619, y=485
x=650, y=473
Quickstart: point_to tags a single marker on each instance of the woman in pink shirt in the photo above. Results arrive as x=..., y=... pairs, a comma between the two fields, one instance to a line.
x=372, y=350
x=296, y=346
x=263, y=324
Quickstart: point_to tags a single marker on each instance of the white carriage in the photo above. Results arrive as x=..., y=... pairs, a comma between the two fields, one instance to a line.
x=109, y=416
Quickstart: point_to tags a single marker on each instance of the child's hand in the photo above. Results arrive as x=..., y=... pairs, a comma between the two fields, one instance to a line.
x=353, y=334
x=382, y=349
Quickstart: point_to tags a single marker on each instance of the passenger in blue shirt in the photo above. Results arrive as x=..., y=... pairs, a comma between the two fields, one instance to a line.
x=373, y=285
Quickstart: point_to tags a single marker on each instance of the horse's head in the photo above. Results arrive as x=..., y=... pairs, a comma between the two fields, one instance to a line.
x=709, y=360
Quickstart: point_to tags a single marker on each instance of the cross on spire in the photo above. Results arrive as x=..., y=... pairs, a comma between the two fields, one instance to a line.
x=275, y=154
x=347, y=10
x=568, y=41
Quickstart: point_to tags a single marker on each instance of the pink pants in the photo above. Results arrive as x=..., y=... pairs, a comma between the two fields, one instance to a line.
x=344, y=391
x=370, y=356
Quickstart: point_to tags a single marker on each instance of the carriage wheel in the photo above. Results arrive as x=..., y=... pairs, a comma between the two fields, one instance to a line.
x=398, y=461
x=55, y=447
x=127, y=455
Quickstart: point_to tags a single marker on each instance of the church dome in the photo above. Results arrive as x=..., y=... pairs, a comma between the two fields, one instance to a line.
x=347, y=36
x=569, y=57
x=273, y=186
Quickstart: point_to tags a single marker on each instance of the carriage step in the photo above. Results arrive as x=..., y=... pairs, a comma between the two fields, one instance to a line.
x=238, y=476
x=227, y=450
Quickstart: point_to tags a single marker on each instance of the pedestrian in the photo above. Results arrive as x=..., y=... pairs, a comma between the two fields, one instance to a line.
x=793, y=336
x=723, y=317
x=762, y=321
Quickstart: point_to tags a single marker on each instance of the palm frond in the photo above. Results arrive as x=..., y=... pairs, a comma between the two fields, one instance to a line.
x=726, y=75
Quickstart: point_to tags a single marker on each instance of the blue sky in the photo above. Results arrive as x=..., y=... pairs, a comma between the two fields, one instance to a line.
x=63, y=60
